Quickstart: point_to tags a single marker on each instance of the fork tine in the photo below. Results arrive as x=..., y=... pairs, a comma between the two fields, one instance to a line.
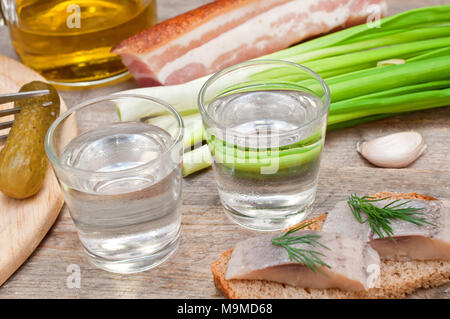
x=6, y=125
x=6, y=98
x=11, y=97
x=6, y=112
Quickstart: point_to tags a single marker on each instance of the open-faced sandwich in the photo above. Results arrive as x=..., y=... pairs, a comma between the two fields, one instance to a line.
x=383, y=246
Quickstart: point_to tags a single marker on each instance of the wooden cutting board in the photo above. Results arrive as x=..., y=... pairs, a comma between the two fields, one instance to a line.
x=24, y=223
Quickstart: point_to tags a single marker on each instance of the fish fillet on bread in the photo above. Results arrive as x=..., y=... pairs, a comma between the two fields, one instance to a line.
x=398, y=278
x=411, y=242
x=349, y=262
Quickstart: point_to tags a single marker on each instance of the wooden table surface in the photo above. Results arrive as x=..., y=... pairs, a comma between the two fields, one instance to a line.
x=206, y=231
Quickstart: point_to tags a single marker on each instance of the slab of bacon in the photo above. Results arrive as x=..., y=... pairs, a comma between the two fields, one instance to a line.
x=226, y=32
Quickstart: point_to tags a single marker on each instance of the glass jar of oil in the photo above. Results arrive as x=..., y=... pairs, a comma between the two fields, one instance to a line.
x=69, y=41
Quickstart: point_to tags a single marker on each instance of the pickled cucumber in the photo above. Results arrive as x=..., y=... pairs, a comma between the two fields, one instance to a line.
x=23, y=162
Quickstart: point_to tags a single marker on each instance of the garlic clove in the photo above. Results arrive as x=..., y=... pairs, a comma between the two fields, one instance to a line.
x=394, y=151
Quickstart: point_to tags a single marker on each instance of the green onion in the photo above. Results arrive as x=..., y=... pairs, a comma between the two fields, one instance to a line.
x=193, y=127
x=367, y=55
x=361, y=91
x=403, y=22
x=255, y=161
x=351, y=123
x=196, y=160
x=397, y=104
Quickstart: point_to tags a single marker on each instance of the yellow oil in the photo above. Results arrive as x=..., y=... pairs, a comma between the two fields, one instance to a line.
x=69, y=41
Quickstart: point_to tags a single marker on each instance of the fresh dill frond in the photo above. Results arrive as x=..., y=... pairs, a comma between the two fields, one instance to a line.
x=308, y=257
x=379, y=218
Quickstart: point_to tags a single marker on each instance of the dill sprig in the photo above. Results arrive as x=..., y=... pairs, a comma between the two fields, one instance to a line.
x=308, y=257
x=379, y=219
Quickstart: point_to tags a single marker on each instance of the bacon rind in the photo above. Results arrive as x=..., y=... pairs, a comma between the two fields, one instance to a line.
x=170, y=29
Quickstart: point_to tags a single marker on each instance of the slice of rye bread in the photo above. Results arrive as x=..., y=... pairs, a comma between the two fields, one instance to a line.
x=398, y=278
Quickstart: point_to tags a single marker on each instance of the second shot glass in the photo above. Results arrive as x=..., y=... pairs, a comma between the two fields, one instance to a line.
x=265, y=122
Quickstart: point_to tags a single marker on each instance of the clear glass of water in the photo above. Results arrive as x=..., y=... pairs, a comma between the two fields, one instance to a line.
x=265, y=122
x=121, y=178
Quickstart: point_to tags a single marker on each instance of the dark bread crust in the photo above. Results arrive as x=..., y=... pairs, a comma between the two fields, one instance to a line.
x=220, y=282
x=398, y=278
x=402, y=196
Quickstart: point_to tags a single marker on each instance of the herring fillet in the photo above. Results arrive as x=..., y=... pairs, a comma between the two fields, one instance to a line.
x=225, y=32
x=340, y=219
x=352, y=263
x=412, y=242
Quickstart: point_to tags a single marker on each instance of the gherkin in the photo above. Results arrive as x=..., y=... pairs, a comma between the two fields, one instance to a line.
x=23, y=162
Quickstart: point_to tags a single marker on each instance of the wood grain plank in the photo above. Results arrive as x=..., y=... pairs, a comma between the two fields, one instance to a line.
x=23, y=223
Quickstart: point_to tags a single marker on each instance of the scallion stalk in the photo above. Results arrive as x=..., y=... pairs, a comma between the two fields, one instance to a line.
x=403, y=22
x=196, y=160
x=393, y=76
x=392, y=104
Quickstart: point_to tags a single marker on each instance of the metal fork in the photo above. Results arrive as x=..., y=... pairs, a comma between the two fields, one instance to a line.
x=12, y=97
